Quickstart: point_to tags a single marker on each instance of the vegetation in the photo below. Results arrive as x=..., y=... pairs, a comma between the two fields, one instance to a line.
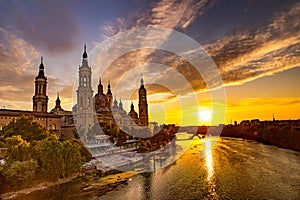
x=31, y=153
x=282, y=136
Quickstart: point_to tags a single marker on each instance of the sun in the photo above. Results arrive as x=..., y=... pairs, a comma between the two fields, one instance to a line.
x=205, y=115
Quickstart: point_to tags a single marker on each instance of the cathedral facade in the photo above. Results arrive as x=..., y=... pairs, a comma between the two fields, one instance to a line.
x=103, y=108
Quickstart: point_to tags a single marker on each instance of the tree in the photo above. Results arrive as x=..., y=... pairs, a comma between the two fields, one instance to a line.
x=72, y=158
x=26, y=127
x=20, y=171
x=85, y=154
x=17, y=149
x=59, y=158
x=49, y=154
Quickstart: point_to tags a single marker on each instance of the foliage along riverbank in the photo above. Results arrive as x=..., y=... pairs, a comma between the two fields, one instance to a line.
x=80, y=186
x=32, y=155
x=285, y=137
x=36, y=161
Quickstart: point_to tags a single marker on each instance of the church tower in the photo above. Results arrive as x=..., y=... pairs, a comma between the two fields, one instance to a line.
x=85, y=117
x=109, y=96
x=143, y=105
x=40, y=98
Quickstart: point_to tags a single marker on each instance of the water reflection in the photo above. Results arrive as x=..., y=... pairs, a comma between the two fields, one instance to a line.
x=147, y=185
x=210, y=169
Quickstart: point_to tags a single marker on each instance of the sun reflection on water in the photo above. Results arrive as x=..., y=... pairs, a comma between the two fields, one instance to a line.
x=210, y=169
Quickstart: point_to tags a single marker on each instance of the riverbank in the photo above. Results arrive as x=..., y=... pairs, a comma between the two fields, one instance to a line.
x=41, y=186
x=285, y=137
x=91, y=184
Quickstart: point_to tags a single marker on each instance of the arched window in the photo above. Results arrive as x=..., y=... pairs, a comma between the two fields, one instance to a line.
x=84, y=80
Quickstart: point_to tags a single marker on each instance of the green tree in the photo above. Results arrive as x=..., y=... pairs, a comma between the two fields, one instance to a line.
x=59, y=158
x=86, y=156
x=49, y=154
x=26, y=127
x=20, y=172
x=17, y=149
x=72, y=158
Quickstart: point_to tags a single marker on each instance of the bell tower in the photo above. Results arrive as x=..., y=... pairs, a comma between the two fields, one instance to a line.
x=85, y=107
x=40, y=98
x=143, y=105
x=109, y=96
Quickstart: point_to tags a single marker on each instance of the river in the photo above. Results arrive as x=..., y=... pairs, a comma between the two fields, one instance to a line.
x=230, y=169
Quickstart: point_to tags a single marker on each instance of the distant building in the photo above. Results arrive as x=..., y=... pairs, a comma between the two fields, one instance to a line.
x=67, y=120
x=143, y=105
x=40, y=98
x=133, y=115
x=50, y=121
x=245, y=123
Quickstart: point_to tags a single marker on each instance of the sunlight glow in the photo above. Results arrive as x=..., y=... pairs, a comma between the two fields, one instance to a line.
x=205, y=115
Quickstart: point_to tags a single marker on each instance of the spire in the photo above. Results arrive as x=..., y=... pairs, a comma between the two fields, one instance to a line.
x=142, y=81
x=57, y=101
x=84, y=55
x=115, y=102
x=42, y=64
x=100, y=87
x=120, y=104
x=41, y=69
x=108, y=88
x=131, y=106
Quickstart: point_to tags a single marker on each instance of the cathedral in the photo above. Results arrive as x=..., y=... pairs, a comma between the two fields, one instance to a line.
x=103, y=108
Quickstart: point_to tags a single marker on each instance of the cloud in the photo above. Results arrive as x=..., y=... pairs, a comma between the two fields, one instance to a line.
x=19, y=62
x=271, y=102
x=44, y=24
x=241, y=55
x=164, y=13
x=245, y=56
x=17, y=67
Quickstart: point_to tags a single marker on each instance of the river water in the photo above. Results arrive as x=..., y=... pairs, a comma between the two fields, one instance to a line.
x=230, y=169
x=234, y=169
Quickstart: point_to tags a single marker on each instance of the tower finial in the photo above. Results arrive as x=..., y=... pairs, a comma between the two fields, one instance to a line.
x=42, y=64
x=142, y=81
x=84, y=55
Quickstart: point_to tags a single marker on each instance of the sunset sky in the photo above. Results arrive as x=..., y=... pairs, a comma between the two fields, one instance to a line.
x=254, y=44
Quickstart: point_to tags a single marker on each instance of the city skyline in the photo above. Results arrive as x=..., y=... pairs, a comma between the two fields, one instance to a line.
x=259, y=62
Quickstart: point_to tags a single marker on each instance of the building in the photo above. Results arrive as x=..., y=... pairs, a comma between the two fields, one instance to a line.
x=51, y=121
x=84, y=109
x=143, y=105
x=102, y=108
x=40, y=98
x=133, y=115
x=66, y=120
